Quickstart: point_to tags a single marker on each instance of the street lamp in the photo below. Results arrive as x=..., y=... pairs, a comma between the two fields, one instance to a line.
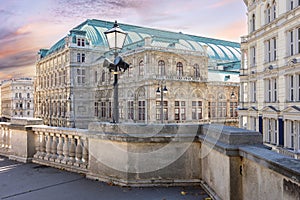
x=163, y=90
x=116, y=38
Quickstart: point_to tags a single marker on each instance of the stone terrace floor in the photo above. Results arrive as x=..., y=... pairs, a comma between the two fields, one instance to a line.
x=32, y=181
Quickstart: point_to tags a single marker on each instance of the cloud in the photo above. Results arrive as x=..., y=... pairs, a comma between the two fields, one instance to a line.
x=79, y=10
x=18, y=59
x=221, y=3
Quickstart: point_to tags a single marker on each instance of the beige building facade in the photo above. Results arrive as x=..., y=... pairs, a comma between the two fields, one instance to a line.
x=270, y=73
x=201, y=76
x=17, y=98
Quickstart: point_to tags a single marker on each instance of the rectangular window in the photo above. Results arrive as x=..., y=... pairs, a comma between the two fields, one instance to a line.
x=165, y=110
x=103, y=109
x=291, y=42
x=130, y=110
x=82, y=42
x=196, y=110
x=222, y=109
x=78, y=57
x=298, y=85
x=233, y=109
x=291, y=80
x=274, y=49
x=180, y=110
x=141, y=110
x=292, y=132
x=211, y=110
x=268, y=90
x=83, y=57
x=274, y=90
x=298, y=42
x=96, y=109
x=269, y=51
x=80, y=76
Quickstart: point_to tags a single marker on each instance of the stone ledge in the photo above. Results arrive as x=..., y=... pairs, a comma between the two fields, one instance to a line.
x=231, y=135
x=26, y=121
x=272, y=160
x=143, y=183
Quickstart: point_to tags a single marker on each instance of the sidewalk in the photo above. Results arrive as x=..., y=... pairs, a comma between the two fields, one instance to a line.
x=32, y=181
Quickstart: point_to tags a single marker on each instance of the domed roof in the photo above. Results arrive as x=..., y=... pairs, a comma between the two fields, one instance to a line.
x=217, y=49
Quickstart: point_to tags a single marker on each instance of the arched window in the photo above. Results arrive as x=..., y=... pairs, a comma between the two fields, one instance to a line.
x=179, y=69
x=274, y=9
x=253, y=22
x=103, y=76
x=161, y=68
x=268, y=13
x=141, y=68
x=196, y=71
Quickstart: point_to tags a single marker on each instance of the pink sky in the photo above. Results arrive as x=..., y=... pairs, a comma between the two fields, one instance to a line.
x=29, y=25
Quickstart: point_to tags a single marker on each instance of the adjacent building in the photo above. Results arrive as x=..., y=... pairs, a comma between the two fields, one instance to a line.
x=270, y=73
x=17, y=98
x=201, y=76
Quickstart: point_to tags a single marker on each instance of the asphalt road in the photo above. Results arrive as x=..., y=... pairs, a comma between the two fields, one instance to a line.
x=32, y=181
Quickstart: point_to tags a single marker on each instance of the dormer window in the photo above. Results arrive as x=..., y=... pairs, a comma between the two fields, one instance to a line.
x=80, y=42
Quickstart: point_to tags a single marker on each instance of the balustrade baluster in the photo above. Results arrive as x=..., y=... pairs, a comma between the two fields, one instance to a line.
x=78, y=153
x=42, y=145
x=48, y=146
x=65, y=150
x=72, y=150
x=59, y=148
x=5, y=138
x=37, y=144
x=1, y=137
x=9, y=139
x=85, y=153
x=53, y=148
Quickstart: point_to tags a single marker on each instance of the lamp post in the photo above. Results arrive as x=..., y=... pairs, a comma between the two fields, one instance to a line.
x=115, y=38
x=163, y=90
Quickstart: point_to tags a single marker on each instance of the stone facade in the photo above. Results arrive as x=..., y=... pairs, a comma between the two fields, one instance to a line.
x=270, y=73
x=17, y=98
x=73, y=88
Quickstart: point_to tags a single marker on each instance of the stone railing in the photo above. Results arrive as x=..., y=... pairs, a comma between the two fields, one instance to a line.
x=230, y=163
x=289, y=153
x=5, y=138
x=65, y=148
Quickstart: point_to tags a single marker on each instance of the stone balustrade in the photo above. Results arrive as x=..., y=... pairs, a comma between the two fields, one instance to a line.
x=230, y=163
x=5, y=138
x=65, y=148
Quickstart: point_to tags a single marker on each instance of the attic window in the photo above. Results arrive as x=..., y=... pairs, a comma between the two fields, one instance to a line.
x=80, y=42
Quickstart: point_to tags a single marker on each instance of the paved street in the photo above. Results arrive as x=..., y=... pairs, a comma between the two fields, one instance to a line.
x=31, y=181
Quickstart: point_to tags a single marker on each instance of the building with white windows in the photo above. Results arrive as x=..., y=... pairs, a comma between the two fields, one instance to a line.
x=201, y=76
x=270, y=73
x=17, y=98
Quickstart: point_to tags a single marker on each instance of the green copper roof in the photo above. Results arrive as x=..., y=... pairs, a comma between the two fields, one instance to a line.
x=217, y=49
